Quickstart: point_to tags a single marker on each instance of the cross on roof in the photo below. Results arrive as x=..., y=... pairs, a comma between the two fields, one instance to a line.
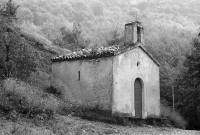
x=136, y=16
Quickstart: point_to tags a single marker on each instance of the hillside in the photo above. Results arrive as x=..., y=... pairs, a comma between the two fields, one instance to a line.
x=44, y=50
x=182, y=7
x=46, y=17
x=41, y=43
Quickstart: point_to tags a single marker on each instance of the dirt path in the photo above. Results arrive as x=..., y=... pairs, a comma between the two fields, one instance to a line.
x=79, y=126
x=65, y=125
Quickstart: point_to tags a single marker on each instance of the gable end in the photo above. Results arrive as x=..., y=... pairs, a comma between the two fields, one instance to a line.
x=144, y=50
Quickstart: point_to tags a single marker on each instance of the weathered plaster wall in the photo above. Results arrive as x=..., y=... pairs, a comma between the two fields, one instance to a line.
x=125, y=72
x=95, y=84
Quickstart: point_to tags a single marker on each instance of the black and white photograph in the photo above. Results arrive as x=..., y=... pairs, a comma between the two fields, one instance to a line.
x=99, y=67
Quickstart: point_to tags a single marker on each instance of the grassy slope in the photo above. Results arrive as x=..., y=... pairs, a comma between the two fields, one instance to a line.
x=65, y=125
x=40, y=42
x=44, y=51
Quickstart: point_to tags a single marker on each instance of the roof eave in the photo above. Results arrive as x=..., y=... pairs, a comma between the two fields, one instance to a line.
x=151, y=56
x=125, y=49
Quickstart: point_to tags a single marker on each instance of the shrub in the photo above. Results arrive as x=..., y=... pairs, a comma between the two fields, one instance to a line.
x=66, y=107
x=54, y=91
x=40, y=78
x=26, y=99
x=174, y=116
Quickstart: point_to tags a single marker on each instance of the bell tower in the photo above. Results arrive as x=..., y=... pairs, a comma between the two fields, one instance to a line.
x=133, y=33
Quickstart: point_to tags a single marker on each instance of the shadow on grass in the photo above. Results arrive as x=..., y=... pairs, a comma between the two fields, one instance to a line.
x=107, y=117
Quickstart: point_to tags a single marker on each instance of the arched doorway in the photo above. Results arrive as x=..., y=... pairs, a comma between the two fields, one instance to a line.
x=138, y=98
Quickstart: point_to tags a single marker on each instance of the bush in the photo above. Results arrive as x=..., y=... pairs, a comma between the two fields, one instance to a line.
x=23, y=98
x=66, y=107
x=175, y=117
x=54, y=91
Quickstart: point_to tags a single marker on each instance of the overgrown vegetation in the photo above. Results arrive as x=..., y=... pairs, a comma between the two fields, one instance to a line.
x=174, y=116
x=188, y=87
x=20, y=60
x=27, y=100
x=16, y=56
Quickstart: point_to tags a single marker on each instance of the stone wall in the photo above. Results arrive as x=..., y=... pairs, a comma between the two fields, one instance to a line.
x=95, y=85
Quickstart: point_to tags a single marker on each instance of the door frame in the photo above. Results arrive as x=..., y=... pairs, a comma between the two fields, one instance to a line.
x=144, y=112
x=141, y=92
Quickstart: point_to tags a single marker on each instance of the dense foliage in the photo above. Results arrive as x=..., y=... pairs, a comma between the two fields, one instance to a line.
x=188, y=87
x=16, y=58
x=25, y=99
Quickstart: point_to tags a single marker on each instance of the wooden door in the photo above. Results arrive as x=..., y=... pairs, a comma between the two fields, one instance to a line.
x=138, y=98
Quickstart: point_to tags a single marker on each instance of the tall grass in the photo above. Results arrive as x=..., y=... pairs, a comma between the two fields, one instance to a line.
x=24, y=98
x=176, y=119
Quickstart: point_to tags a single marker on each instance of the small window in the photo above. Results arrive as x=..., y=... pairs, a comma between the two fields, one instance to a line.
x=139, y=34
x=79, y=75
x=138, y=64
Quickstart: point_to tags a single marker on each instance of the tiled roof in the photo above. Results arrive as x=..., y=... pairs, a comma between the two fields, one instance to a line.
x=100, y=52
x=88, y=54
